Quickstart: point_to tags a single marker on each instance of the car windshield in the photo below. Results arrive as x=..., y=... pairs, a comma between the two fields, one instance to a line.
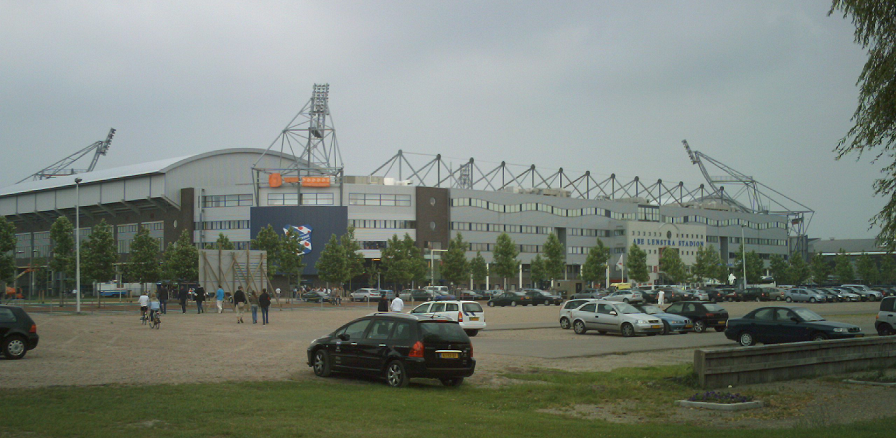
x=713, y=308
x=438, y=331
x=808, y=315
x=650, y=310
x=627, y=308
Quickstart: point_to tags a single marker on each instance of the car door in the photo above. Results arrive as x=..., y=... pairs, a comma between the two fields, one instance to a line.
x=789, y=330
x=763, y=326
x=373, y=349
x=609, y=318
x=345, y=352
x=588, y=315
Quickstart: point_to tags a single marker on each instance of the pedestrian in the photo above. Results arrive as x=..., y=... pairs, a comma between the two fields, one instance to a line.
x=277, y=291
x=397, y=304
x=200, y=298
x=219, y=299
x=661, y=298
x=383, y=305
x=239, y=303
x=163, y=299
x=182, y=297
x=265, y=302
x=253, y=303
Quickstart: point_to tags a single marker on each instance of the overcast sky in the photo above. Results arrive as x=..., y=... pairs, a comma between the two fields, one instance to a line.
x=765, y=87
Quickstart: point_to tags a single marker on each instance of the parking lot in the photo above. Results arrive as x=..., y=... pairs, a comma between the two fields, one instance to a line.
x=112, y=347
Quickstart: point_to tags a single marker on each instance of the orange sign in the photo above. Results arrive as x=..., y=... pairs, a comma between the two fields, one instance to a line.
x=276, y=180
x=316, y=181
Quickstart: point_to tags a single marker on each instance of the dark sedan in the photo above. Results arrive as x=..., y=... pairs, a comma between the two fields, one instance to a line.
x=18, y=332
x=703, y=314
x=538, y=296
x=771, y=325
x=509, y=299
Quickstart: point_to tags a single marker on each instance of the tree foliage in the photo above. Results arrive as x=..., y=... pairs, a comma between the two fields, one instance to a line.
x=777, y=265
x=478, y=268
x=99, y=254
x=63, y=255
x=708, y=265
x=595, y=268
x=820, y=268
x=538, y=270
x=268, y=240
x=843, y=271
x=672, y=266
x=7, y=249
x=554, y=258
x=887, y=269
x=455, y=267
x=143, y=266
x=402, y=261
x=637, y=264
x=875, y=116
x=867, y=269
x=354, y=260
x=798, y=272
x=180, y=262
x=505, y=255
x=224, y=243
x=341, y=260
x=292, y=256
x=754, y=266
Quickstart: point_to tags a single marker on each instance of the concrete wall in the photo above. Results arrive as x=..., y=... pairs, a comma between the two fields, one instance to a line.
x=771, y=363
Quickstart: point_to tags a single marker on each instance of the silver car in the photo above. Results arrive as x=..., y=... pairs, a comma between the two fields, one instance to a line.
x=626, y=296
x=609, y=316
x=800, y=294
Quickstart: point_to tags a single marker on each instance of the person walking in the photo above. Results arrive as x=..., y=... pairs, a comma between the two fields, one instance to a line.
x=163, y=299
x=200, y=298
x=661, y=298
x=182, y=297
x=265, y=302
x=253, y=303
x=239, y=303
x=219, y=299
x=397, y=304
x=383, y=305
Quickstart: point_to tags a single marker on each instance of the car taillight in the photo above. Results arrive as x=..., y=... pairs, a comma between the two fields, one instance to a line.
x=33, y=328
x=710, y=315
x=416, y=350
x=460, y=316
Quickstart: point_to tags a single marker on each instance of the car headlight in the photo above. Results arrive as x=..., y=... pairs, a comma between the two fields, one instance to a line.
x=841, y=330
x=643, y=321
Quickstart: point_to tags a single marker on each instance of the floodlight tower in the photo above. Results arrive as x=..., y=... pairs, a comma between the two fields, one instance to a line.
x=309, y=153
x=61, y=167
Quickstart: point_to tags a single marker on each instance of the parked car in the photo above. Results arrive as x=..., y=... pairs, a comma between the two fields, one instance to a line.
x=698, y=295
x=467, y=294
x=364, y=294
x=865, y=292
x=315, y=296
x=626, y=296
x=800, y=294
x=420, y=295
x=748, y=294
x=613, y=316
x=512, y=299
x=831, y=295
x=437, y=289
x=397, y=347
x=468, y=314
x=671, y=321
x=717, y=294
x=771, y=325
x=589, y=293
x=568, y=307
x=703, y=314
x=538, y=296
x=775, y=293
x=443, y=296
x=885, y=324
x=847, y=294
x=18, y=332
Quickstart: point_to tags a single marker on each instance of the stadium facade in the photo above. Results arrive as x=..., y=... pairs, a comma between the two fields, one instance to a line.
x=216, y=193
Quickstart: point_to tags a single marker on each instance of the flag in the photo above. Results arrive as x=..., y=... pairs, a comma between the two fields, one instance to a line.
x=619, y=264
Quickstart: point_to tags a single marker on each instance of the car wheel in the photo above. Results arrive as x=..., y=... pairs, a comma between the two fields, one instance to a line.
x=757, y=299
x=564, y=323
x=746, y=339
x=789, y=300
x=819, y=337
x=720, y=329
x=491, y=304
x=321, y=363
x=14, y=347
x=627, y=330
x=579, y=327
x=625, y=300
x=666, y=329
x=396, y=375
x=513, y=304
x=812, y=300
x=699, y=326
x=472, y=333
x=884, y=330
x=452, y=381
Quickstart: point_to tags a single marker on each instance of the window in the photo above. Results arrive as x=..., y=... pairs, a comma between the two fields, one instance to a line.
x=213, y=201
x=283, y=199
x=222, y=225
x=605, y=309
x=380, y=329
x=356, y=329
x=7, y=316
x=437, y=307
x=382, y=224
x=378, y=199
x=588, y=307
x=423, y=308
x=402, y=331
x=317, y=199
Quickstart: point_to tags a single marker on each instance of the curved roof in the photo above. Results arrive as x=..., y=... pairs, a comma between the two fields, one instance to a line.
x=147, y=168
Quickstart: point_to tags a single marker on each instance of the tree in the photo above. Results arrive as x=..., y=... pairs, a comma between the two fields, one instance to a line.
x=637, y=264
x=843, y=268
x=292, y=256
x=181, y=259
x=595, y=268
x=819, y=268
x=354, y=260
x=866, y=269
x=554, y=258
x=7, y=249
x=672, y=266
x=395, y=261
x=798, y=271
x=478, y=268
x=99, y=254
x=875, y=116
x=268, y=240
x=708, y=264
x=63, y=257
x=455, y=267
x=505, y=253
x=754, y=266
x=538, y=270
x=331, y=265
x=416, y=263
x=224, y=243
x=144, y=262
x=778, y=267
x=887, y=269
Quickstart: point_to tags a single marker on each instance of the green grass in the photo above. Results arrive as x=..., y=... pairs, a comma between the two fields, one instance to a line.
x=345, y=406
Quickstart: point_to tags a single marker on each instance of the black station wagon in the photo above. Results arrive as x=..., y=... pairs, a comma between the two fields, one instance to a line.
x=397, y=347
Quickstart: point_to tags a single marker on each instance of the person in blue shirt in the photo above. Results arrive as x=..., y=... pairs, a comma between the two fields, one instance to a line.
x=219, y=299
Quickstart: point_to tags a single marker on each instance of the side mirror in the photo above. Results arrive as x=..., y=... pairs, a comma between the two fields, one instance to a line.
x=613, y=312
x=794, y=319
x=343, y=337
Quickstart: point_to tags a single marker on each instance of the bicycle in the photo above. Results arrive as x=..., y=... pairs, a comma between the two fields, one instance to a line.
x=155, y=321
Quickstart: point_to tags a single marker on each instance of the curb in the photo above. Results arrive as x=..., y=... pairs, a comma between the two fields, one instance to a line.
x=865, y=382
x=720, y=406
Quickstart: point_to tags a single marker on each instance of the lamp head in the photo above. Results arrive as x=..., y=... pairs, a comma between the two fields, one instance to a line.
x=78, y=180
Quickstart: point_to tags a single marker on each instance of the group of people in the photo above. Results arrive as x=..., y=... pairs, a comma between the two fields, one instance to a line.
x=396, y=305
x=159, y=301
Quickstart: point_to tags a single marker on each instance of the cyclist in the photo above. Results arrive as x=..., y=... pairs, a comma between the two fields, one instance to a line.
x=144, y=305
x=155, y=308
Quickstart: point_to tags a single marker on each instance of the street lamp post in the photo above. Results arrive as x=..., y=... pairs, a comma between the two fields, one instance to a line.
x=743, y=254
x=78, y=245
x=432, y=265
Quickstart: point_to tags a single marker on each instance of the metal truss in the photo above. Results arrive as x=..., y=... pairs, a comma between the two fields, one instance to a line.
x=61, y=167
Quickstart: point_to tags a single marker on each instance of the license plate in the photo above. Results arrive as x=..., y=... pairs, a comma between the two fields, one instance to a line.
x=656, y=326
x=474, y=318
x=688, y=326
x=448, y=355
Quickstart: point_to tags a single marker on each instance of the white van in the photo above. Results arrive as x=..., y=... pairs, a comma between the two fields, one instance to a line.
x=439, y=290
x=468, y=314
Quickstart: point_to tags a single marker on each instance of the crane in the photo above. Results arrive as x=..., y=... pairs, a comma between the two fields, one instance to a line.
x=61, y=167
